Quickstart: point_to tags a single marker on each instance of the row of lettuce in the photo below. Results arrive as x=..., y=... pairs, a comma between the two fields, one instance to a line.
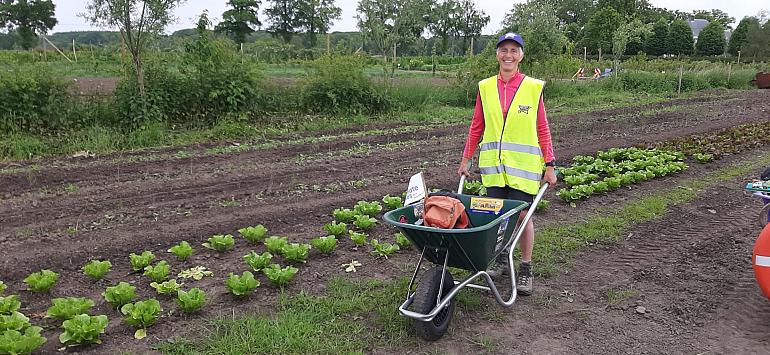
x=79, y=327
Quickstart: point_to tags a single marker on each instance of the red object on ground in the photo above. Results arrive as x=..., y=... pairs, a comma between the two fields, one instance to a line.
x=761, y=260
x=762, y=80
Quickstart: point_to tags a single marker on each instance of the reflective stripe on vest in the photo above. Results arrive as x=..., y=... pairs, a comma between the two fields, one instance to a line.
x=509, y=153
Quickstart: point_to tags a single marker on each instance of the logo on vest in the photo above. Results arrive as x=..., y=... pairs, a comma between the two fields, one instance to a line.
x=524, y=109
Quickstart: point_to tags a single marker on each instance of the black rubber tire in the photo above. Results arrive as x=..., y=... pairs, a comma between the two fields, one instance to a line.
x=763, y=216
x=425, y=301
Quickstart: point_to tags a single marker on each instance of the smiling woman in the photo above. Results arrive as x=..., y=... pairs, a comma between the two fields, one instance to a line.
x=514, y=141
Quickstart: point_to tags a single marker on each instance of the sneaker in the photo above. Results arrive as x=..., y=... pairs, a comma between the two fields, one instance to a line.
x=524, y=280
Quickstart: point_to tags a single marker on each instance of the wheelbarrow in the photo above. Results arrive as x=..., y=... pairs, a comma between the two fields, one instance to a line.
x=473, y=249
x=761, y=190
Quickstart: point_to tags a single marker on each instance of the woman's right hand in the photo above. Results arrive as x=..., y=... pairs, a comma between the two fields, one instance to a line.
x=463, y=169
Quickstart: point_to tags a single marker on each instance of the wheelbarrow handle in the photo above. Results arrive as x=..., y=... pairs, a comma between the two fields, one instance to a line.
x=462, y=178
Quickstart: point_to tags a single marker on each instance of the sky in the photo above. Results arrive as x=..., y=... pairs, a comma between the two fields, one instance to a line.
x=67, y=12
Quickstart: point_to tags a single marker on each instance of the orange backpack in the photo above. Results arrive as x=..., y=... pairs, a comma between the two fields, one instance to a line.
x=445, y=212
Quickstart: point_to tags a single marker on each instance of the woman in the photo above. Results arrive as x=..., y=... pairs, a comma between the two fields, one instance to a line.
x=515, y=152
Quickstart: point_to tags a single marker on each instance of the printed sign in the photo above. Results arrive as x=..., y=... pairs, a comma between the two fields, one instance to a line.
x=486, y=205
x=501, y=234
x=416, y=191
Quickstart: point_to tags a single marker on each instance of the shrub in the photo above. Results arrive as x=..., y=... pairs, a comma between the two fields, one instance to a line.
x=337, y=85
x=31, y=100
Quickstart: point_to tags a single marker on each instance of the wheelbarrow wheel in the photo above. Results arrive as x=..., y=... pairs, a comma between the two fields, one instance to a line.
x=425, y=300
x=764, y=215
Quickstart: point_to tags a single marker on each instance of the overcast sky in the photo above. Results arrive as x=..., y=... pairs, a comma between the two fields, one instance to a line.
x=67, y=12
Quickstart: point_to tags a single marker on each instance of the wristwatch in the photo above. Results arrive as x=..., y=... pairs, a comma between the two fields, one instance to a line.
x=551, y=163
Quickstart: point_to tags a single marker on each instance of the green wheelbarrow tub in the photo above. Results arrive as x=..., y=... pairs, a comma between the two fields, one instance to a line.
x=472, y=249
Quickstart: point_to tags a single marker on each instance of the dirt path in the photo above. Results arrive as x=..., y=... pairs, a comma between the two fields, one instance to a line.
x=65, y=212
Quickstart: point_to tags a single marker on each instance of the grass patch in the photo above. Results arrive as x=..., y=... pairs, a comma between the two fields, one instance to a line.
x=616, y=296
x=557, y=244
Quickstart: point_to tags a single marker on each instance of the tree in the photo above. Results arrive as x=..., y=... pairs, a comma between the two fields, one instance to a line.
x=284, y=18
x=680, y=38
x=443, y=21
x=574, y=11
x=630, y=34
x=758, y=40
x=600, y=29
x=711, y=40
x=739, y=37
x=315, y=16
x=136, y=20
x=28, y=17
x=538, y=24
x=626, y=8
x=715, y=15
x=657, y=42
x=240, y=20
x=385, y=23
x=471, y=21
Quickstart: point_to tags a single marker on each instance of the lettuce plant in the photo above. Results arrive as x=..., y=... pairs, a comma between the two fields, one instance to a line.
x=139, y=262
x=325, y=245
x=157, y=273
x=21, y=342
x=402, y=241
x=191, y=301
x=296, y=252
x=2, y=287
x=220, y=243
x=336, y=228
x=275, y=244
x=83, y=329
x=392, y=202
x=254, y=234
x=195, y=273
x=383, y=249
x=14, y=321
x=66, y=308
x=41, y=281
x=364, y=222
x=119, y=295
x=343, y=215
x=280, y=277
x=96, y=269
x=9, y=304
x=166, y=287
x=141, y=315
x=241, y=285
x=368, y=208
x=257, y=261
x=182, y=250
x=358, y=238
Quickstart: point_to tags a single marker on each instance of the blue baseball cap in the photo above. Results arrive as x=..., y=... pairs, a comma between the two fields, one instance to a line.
x=510, y=36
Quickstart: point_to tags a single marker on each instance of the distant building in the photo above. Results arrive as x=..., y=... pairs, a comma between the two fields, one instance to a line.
x=698, y=24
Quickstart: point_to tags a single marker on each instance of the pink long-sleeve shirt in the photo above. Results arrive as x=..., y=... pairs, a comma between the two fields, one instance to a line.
x=506, y=91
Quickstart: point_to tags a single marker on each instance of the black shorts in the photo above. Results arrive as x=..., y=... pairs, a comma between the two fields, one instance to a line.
x=509, y=193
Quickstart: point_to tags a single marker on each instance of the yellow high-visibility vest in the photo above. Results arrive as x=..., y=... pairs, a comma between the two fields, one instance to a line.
x=509, y=152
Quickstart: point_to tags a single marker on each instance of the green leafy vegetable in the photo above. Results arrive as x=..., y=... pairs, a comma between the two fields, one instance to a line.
x=383, y=249
x=141, y=315
x=15, y=342
x=9, y=304
x=166, y=287
x=41, y=281
x=96, y=269
x=254, y=234
x=278, y=276
x=220, y=243
x=367, y=208
x=358, y=238
x=13, y=321
x=191, y=301
x=325, y=245
x=336, y=229
x=2, y=287
x=139, y=262
x=66, y=308
x=343, y=215
x=120, y=294
x=182, y=250
x=83, y=329
x=296, y=252
x=392, y=202
x=241, y=285
x=157, y=273
x=703, y=158
x=274, y=244
x=364, y=222
x=257, y=261
x=402, y=241
x=474, y=188
x=195, y=273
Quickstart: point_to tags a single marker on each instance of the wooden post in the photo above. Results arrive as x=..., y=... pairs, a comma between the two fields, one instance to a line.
x=74, y=53
x=45, y=51
x=241, y=53
x=470, y=49
x=739, y=57
x=681, y=71
x=57, y=49
x=600, y=54
x=585, y=54
x=328, y=44
x=729, y=73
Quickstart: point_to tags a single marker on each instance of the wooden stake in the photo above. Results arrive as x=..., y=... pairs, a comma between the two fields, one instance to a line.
x=739, y=57
x=681, y=71
x=57, y=49
x=729, y=73
x=74, y=53
x=328, y=43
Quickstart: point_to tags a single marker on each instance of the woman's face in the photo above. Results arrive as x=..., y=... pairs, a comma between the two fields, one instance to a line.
x=509, y=54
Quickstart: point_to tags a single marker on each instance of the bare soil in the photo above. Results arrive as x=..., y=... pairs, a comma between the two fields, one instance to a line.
x=690, y=270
